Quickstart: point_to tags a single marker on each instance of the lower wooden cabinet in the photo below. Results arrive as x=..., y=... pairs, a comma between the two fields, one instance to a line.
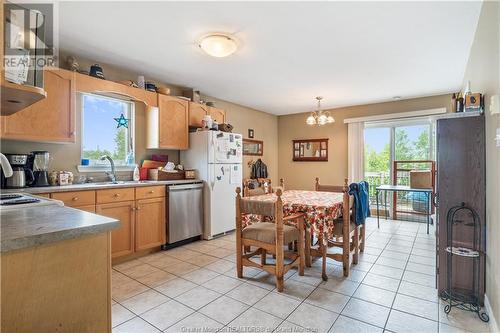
x=141, y=211
x=122, y=239
x=149, y=223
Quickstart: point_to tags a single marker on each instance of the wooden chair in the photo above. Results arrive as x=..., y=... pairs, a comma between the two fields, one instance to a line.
x=269, y=237
x=347, y=235
x=264, y=187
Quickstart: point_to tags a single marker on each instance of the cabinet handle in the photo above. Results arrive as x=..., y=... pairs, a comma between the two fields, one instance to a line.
x=138, y=208
x=75, y=199
x=116, y=195
x=133, y=208
x=151, y=192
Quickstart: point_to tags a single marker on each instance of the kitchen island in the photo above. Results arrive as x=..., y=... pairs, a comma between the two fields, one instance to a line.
x=56, y=270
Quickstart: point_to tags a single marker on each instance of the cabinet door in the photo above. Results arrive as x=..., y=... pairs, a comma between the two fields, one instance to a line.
x=196, y=114
x=150, y=229
x=50, y=120
x=218, y=115
x=122, y=238
x=173, y=122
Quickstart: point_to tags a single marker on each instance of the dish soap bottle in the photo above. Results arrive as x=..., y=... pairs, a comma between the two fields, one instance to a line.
x=136, y=176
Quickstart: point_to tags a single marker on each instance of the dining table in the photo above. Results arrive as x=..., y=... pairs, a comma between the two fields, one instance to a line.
x=321, y=209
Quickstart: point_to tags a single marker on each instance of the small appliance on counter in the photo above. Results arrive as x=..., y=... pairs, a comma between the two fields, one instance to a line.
x=22, y=176
x=39, y=163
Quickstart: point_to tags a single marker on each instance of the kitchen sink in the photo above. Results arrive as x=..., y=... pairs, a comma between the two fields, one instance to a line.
x=127, y=182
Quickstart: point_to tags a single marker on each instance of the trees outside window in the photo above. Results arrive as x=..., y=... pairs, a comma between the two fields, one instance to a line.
x=397, y=141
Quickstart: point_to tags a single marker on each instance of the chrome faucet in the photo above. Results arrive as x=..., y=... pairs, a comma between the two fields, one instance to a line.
x=111, y=175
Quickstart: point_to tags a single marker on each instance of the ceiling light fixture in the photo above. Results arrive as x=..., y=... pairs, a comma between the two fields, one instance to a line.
x=218, y=45
x=319, y=117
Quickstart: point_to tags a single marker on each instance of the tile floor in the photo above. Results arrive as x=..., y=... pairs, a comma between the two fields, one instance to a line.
x=194, y=288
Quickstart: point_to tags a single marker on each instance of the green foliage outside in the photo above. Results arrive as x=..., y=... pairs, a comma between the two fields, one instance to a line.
x=406, y=150
x=119, y=153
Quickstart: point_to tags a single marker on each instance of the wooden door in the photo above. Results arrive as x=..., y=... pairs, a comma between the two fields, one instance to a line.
x=173, y=122
x=50, y=120
x=122, y=238
x=460, y=178
x=196, y=114
x=218, y=115
x=150, y=221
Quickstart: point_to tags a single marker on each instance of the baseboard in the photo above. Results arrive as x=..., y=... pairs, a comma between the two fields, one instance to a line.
x=489, y=311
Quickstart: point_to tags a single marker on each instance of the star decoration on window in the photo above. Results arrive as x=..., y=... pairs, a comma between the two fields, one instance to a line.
x=121, y=121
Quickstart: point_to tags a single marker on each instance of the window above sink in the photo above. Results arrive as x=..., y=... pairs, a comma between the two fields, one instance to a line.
x=107, y=129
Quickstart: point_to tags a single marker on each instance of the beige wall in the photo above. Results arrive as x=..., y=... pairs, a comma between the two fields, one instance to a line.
x=301, y=175
x=67, y=156
x=483, y=72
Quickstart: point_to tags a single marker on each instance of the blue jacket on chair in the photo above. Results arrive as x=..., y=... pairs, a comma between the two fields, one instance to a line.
x=360, y=191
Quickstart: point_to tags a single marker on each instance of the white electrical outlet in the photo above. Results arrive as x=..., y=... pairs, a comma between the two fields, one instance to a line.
x=497, y=138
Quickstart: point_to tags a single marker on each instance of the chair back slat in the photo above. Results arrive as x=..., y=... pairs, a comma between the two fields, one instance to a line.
x=249, y=206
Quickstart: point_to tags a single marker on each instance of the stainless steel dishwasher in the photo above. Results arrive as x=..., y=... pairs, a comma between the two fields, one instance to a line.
x=185, y=211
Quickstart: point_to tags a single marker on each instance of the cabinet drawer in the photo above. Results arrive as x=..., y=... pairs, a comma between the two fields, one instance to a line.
x=149, y=192
x=77, y=198
x=115, y=195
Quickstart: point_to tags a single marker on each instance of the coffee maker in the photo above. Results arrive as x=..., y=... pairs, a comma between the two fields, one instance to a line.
x=22, y=176
x=39, y=163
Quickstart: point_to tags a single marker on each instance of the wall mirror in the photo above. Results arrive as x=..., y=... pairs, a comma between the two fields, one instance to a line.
x=253, y=147
x=310, y=150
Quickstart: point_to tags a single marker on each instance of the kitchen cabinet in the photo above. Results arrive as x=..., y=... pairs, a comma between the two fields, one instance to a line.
x=141, y=211
x=198, y=111
x=150, y=223
x=196, y=114
x=217, y=115
x=115, y=195
x=75, y=199
x=51, y=119
x=122, y=239
x=167, y=125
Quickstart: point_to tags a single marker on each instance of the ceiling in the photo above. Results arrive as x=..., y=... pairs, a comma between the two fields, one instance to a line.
x=350, y=53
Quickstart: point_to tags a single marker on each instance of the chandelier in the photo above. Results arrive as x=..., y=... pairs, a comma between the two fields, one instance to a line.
x=319, y=117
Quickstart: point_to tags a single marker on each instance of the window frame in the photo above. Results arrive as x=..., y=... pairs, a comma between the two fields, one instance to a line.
x=104, y=166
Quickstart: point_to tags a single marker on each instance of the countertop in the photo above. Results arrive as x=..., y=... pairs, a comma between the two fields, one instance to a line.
x=98, y=186
x=30, y=227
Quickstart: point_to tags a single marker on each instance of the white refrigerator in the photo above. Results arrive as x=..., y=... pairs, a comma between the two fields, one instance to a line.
x=217, y=158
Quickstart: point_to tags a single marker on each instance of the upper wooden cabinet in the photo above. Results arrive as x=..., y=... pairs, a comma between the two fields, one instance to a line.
x=49, y=120
x=217, y=114
x=168, y=124
x=196, y=114
x=198, y=111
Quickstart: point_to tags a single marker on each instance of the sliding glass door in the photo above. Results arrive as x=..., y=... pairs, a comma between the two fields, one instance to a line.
x=386, y=142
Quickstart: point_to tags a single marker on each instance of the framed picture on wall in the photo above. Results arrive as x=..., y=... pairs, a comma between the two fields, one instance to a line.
x=310, y=150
